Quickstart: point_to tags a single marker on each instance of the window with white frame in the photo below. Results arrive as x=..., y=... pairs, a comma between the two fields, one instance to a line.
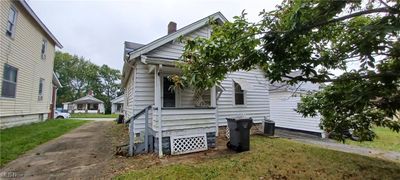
x=9, y=85
x=238, y=93
x=44, y=47
x=12, y=18
x=41, y=85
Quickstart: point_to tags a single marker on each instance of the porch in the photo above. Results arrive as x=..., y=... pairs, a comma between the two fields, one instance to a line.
x=174, y=124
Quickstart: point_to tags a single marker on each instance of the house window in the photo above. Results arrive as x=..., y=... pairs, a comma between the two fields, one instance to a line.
x=12, y=17
x=44, y=47
x=80, y=107
x=9, y=85
x=239, y=94
x=168, y=94
x=93, y=106
x=41, y=84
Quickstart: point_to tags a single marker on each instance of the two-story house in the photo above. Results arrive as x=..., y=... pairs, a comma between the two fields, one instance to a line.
x=27, y=50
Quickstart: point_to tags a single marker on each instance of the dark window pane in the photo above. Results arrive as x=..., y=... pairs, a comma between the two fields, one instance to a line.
x=239, y=94
x=9, y=85
x=168, y=95
x=41, y=82
x=9, y=27
x=8, y=89
x=10, y=73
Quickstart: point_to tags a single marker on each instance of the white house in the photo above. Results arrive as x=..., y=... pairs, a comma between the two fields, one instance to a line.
x=284, y=99
x=117, y=104
x=87, y=104
x=174, y=119
x=27, y=50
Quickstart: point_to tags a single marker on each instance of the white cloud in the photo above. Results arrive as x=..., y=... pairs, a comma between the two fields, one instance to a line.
x=97, y=29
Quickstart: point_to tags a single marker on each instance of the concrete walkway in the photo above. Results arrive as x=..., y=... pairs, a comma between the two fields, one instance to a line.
x=83, y=153
x=331, y=144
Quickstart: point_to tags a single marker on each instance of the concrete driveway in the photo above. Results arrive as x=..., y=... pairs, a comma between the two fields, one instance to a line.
x=83, y=153
x=95, y=119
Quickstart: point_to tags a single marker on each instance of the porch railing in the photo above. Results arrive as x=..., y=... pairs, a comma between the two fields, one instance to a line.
x=131, y=120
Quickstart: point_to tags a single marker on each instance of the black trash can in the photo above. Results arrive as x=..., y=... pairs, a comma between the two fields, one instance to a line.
x=239, y=133
x=269, y=127
x=120, y=119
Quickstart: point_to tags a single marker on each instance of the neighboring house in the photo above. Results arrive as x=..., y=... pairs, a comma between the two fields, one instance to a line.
x=86, y=104
x=283, y=102
x=26, y=65
x=117, y=104
x=186, y=127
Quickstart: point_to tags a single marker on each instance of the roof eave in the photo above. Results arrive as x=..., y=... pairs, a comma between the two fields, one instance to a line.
x=41, y=24
x=56, y=81
x=185, y=30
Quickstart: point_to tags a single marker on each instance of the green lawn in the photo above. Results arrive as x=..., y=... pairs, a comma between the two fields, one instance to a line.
x=82, y=115
x=17, y=140
x=385, y=140
x=274, y=159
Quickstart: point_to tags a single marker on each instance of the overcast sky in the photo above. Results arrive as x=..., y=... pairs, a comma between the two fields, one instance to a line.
x=97, y=29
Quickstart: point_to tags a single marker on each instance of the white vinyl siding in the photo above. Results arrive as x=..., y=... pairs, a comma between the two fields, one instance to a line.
x=257, y=100
x=174, y=49
x=283, y=106
x=143, y=92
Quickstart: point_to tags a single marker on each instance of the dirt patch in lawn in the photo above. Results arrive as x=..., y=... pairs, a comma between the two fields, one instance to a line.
x=121, y=164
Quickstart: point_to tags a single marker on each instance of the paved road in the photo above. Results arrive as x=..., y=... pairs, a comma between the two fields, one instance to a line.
x=83, y=153
x=331, y=144
x=95, y=119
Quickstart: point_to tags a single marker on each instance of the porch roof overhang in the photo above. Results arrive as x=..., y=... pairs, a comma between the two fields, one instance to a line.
x=87, y=100
x=159, y=60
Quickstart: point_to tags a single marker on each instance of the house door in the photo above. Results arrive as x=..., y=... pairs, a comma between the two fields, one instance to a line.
x=168, y=94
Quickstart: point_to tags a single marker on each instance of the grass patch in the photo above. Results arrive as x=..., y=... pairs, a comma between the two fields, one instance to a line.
x=83, y=115
x=275, y=159
x=386, y=140
x=17, y=140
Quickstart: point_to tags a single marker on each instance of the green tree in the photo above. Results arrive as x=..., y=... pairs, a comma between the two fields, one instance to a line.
x=79, y=75
x=110, y=84
x=314, y=37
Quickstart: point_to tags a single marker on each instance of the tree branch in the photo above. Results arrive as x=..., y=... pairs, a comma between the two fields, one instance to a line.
x=368, y=76
x=370, y=11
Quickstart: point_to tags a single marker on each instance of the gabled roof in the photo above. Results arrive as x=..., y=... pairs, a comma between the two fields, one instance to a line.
x=142, y=49
x=87, y=99
x=41, y=24
x=170, y=37
x=119, y=99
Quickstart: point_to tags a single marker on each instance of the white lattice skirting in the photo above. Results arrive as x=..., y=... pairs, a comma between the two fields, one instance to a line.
x=188, y=144
x=227, y=132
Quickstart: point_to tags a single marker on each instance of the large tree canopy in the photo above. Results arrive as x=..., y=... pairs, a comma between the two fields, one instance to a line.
x=313, y=37
x=78, y=75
